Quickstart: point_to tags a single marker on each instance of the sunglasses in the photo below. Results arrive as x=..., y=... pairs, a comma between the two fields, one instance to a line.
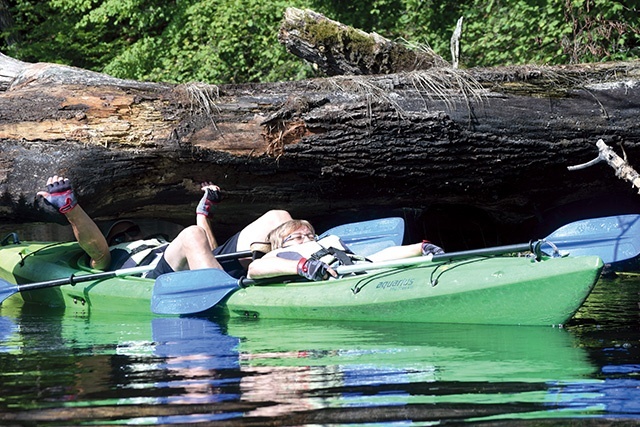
x=299, y=237
x=131, y=233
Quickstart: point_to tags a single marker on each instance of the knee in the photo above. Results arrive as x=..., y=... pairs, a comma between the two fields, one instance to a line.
x=193, y=236
x=275, y=217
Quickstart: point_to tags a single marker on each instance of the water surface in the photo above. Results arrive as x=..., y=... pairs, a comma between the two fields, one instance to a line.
x=62, y=369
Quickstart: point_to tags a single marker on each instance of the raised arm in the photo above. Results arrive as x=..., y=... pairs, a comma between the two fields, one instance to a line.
x=205, y=208
x=60, y=195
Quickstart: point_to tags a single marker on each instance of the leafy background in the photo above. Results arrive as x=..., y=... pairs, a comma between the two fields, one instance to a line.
x=235, y=41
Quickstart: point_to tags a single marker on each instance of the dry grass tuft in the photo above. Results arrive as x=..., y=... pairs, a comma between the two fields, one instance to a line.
x=202, y=99
x=446, y=84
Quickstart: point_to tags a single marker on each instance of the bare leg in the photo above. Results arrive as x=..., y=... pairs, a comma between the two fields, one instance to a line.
x=190, y=250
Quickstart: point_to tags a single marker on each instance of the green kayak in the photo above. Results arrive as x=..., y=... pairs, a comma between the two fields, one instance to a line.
x=511, y=290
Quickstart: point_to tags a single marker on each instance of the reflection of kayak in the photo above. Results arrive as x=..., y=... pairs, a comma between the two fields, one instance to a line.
x=245, y=369
x=428, y=367
x=444, y=352
x=496, y=290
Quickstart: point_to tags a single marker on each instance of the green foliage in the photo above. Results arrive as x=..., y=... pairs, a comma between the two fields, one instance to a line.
x=213, y=41
x=533, y=34
x=504, y=32
x=603, y=30
x=235, y=41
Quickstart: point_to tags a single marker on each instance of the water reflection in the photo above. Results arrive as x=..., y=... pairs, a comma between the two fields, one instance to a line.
x=68, y=369
x=200, y=365
x=7, y=328
x=333, y=365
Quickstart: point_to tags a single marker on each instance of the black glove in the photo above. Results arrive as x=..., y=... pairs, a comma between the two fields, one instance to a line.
x=429, y=248
x=60, y=195
x=313, y=269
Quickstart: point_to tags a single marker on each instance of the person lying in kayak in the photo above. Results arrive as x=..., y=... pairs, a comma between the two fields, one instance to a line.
x=195, y=247
x=296, y=250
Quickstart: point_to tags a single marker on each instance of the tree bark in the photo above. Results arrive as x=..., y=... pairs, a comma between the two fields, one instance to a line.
x=469, y=158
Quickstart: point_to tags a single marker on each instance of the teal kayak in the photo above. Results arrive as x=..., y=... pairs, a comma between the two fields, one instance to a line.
x=510, y=290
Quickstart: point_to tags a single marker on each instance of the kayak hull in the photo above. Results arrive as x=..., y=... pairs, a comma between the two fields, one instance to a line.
x=494, y=290
x=498, y=290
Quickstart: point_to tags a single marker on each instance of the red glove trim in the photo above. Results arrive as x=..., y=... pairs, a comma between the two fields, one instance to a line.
x=302, y=266
x=68, y=205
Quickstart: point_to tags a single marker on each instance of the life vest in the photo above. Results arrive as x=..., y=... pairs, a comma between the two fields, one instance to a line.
x=330, y=250
x=139, y=252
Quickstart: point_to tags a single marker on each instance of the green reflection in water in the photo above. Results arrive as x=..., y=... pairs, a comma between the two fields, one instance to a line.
x=296, y=370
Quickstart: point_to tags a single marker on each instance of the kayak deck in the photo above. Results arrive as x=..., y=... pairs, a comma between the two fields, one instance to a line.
x=491, y=290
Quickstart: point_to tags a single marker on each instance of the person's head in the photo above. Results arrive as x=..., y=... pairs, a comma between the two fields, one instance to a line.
x=123, y=231
x=293, y=232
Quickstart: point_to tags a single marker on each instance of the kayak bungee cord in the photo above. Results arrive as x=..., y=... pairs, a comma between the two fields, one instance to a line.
x=434, y=282
x=437, y=272
x=375, y=276
x=536, y=253
x=24, y=257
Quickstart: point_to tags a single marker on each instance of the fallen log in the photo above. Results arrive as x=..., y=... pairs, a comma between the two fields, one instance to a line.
x=480, y=152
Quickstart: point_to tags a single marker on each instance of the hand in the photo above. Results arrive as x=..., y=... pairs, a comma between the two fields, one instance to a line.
x=209, y=200
x=429, y=248
x=314, y=269
x=59, y=194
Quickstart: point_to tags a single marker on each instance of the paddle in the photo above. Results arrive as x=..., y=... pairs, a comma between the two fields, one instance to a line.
x=368, y=237
x=175, y=293
x=612, y=238
x=7, y=289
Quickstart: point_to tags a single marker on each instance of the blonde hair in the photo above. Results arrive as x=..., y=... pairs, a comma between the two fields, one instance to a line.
x=277, y=235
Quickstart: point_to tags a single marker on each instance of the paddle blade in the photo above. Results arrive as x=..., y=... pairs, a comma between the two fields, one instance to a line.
x=368, y=237
x=192, y=291
x=612, y=238
x=7, y=289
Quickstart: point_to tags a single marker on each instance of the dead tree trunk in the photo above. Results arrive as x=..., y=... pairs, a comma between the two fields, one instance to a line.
x=620, y=165
x=484, y=150
x=338, y=49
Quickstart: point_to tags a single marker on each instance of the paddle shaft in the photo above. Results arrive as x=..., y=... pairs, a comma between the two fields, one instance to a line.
x=408, y=262
x=73, y=279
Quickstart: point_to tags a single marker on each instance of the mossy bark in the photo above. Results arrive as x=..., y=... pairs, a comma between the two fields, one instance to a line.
x=338, y=49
